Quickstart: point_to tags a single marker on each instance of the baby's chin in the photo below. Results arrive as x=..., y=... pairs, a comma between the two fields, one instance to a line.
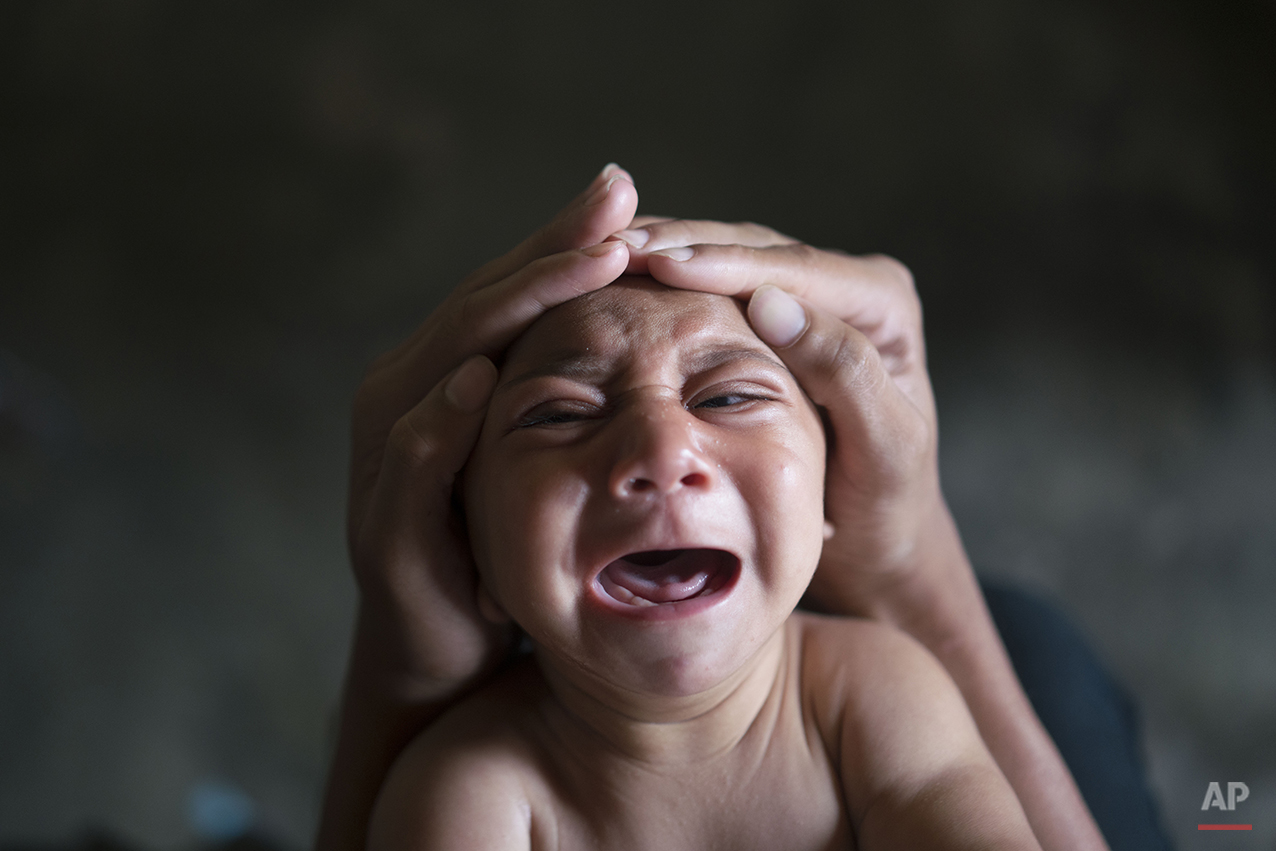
x=666, y=669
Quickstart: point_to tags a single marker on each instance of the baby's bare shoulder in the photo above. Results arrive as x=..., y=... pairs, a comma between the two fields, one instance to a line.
x=841, y=652
x=470, y=778
x=862, y=675
x=875, y=694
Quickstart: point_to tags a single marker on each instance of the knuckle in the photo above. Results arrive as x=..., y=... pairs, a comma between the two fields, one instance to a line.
x=411, y=443
x=459, y=320
x=577, y=277
x=915, y=438
x=675, y=231
x=540, y=286
x=852, y=361
x=467, y=323
x=901, y=276
x=805, y=256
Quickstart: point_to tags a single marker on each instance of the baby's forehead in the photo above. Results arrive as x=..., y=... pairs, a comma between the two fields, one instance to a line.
x=640, y=315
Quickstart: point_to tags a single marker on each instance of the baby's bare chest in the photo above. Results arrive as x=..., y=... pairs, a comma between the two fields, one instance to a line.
x=788, y=797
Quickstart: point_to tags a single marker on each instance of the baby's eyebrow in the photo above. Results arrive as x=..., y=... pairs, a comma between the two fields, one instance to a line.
x=578, y=366
x=584, y=367
x=709, y=358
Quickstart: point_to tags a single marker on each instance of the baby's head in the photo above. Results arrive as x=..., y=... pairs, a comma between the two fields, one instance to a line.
x=646, y=497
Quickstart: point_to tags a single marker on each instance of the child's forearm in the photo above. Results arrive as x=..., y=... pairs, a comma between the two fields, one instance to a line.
x=942, y=607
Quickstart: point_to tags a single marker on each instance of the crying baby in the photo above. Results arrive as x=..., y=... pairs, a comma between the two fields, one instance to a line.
x=646, y=501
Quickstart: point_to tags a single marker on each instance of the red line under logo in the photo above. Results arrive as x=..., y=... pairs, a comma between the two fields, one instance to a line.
x=1225, y=827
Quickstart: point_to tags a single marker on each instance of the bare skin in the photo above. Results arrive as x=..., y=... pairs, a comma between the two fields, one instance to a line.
x=854, y=340
x=843, y=765
x=420, y=642
x=679, y=713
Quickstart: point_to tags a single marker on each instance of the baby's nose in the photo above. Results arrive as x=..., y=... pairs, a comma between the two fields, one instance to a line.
x=659, y=454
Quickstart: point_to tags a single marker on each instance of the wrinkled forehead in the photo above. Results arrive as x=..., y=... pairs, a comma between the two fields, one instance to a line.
x=633, y=317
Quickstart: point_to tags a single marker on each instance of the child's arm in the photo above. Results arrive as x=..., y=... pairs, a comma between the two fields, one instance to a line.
x=915, y=772
x=855, y=344
x=420, y=642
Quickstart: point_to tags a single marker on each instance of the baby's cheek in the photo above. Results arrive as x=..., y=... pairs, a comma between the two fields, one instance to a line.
x=803, y=505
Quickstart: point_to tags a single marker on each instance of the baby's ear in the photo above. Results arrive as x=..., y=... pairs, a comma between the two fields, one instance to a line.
x=487, y=605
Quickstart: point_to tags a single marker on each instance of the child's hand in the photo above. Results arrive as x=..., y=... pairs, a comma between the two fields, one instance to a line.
x=408, y=441
x=855, y=344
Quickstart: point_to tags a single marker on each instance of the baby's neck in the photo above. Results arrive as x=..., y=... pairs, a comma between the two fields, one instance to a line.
x=665, y=729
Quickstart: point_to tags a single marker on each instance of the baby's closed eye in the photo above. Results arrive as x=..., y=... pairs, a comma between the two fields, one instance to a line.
x=727, y=400
x=566, y=411
x=558, y=412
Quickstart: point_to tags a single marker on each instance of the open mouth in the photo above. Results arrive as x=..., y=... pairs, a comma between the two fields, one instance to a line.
x=657, y=577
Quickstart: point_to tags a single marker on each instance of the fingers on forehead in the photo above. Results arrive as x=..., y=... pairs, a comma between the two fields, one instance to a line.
x=738, y=270
x=577, y=225
x=609, y=171
x=485, y=320
x=647, y=221
x=580, y=224
x=857, y=286
x=671, y=232
x=490, y=318
x=843, y=371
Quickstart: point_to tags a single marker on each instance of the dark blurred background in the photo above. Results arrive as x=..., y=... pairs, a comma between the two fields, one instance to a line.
x=212, y=216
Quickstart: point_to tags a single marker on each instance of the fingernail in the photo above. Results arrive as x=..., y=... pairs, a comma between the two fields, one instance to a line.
x=601, y=192
x=471, y=385
x=776, y=316
x=601, y=249
x=637, y=238
x=680, y=253
x=613, y=170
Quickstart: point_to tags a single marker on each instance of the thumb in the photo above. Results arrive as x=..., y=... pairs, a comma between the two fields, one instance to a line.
x=410, y=513
x=411, y=555
x=879, y=437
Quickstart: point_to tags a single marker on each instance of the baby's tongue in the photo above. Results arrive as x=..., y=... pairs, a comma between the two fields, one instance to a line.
x=662, y=576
